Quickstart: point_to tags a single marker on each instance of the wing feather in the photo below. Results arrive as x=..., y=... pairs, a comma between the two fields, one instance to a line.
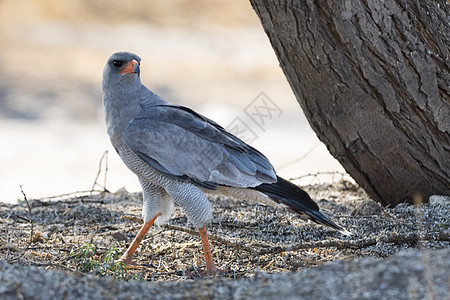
x=182, y=143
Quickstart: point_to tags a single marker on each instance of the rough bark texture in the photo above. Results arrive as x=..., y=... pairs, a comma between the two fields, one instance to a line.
x=372, y=77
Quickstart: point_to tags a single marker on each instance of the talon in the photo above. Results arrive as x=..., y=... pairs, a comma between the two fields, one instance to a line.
x=126, y=261
x=213, y=272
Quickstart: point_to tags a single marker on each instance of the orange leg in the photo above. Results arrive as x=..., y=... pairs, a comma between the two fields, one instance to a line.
x=210, y=267
x=126, y=257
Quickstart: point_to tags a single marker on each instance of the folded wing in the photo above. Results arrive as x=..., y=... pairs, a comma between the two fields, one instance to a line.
x=182, y=143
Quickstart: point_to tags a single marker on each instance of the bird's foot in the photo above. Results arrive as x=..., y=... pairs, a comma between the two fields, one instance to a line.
x=210, y=272
x=126, y=260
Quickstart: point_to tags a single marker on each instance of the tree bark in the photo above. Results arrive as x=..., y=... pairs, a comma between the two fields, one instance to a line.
x=372, y=77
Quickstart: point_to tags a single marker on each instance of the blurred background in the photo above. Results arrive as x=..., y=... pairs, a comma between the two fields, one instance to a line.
x=212, y=56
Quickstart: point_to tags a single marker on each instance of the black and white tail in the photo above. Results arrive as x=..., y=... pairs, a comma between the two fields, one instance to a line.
x=298, y=200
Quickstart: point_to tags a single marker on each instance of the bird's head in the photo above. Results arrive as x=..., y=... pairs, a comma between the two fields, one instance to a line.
x=122, y=69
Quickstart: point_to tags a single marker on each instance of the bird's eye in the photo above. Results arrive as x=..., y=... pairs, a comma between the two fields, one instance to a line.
x=117, y=63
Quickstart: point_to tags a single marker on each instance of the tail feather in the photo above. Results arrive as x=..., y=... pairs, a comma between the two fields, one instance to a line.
x=298, y=200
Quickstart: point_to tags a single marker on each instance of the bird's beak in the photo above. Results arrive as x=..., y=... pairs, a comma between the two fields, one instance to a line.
x=130, y=67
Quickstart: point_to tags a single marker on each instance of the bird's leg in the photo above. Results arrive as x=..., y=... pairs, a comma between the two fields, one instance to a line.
x=210, y=267
x=126, y=257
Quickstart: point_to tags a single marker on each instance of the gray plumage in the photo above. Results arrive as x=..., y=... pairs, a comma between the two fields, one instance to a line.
x=179, y=154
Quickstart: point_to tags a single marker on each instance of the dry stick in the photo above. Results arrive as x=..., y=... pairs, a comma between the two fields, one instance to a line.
x=339, y=244
x=87, y=192
x=106, y=169
x=320, y=173
x=300, y=158
x=103, y=157
x=213, y=238
x=31, y=222
x=38, y=202
x=210, y=236
x=361, y=243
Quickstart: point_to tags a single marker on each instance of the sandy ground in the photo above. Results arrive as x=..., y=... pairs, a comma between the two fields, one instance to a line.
x=251, y=243
x=423, y=275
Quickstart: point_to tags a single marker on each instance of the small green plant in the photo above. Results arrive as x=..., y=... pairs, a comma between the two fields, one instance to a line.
x=83, y=258
x=111, y=268
x=85, y=262
x=116, y=270
x=112, y=254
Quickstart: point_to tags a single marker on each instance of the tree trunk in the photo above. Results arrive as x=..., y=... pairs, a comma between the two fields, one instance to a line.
x=372, y=77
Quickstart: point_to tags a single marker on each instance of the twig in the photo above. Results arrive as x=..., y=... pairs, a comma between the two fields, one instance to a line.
x=31, y=222
x=361, y=243
x=300, y=158
x=87, y=193
x=48, y=248
x=103, y=158
x=320, y=173
x=210, y=236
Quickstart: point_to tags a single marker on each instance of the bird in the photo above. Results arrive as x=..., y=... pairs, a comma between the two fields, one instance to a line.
x=180, y=156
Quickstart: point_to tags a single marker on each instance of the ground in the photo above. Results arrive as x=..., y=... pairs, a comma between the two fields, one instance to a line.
x=250, y=241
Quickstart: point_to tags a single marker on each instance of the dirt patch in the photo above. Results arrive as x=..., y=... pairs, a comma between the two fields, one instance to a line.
x=247, y=238
x=409, y=274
